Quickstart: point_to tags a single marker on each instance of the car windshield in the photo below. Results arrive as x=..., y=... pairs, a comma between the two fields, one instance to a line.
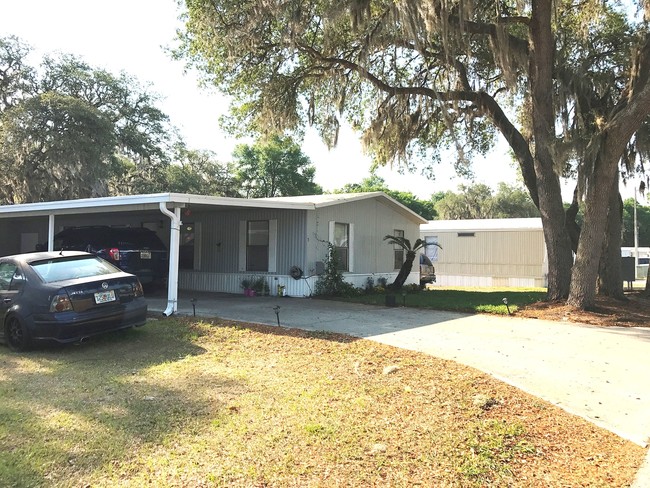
x=68, y=268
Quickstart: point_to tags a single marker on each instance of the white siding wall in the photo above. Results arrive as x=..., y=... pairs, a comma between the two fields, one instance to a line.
x=304, y=287
x=499, y=258
x=372, y=221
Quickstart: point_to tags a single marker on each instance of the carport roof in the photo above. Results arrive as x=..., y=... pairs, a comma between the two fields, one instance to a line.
x=181, y=200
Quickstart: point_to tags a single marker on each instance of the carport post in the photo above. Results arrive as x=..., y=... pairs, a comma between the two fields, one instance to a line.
x=50, y=233
x=174, y=245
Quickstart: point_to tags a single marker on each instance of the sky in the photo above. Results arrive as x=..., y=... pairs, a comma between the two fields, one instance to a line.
x=131, y=36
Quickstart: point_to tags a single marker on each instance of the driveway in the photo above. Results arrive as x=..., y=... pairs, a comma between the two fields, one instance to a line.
x=600, y=374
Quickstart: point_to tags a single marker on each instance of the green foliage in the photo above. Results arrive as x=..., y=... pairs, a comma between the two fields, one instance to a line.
x=200, y=173
x=513, y=202
x=259, y=285
x=483, y=301
x=54, y=147
x=479, y=202
x=496, y=309
x=493, y=445
x=141, y=129
x=286, y=67
x=273, y=168
x=643, y=223
x=78, y=131
x=17, y=79
x=331, y=282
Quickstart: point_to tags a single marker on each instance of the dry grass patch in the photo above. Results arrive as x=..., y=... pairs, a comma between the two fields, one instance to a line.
x=607, y=312
x=192, y=403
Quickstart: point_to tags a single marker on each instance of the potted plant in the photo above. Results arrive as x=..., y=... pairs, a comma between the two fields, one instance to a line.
x=257, y=284
x=246, y=284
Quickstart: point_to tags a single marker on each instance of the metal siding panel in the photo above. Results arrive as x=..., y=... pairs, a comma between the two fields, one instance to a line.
x=223, y=227
x=499, y=257
x=372, y=221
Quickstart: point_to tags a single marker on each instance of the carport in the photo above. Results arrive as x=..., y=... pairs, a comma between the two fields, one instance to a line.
x=22, y=226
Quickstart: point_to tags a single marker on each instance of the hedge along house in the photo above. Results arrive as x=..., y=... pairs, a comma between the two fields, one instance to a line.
x=215, y=243
x=487, y=252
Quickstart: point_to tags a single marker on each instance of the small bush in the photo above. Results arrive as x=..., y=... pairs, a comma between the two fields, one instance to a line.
x=331, y=282
x=412, y=288
x=370, y=284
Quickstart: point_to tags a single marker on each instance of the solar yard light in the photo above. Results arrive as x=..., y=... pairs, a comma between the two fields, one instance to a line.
x=276, y=309
x=505, y=302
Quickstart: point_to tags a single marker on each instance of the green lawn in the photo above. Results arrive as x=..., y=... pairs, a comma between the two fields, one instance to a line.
x=191, y=403
x=457, y=299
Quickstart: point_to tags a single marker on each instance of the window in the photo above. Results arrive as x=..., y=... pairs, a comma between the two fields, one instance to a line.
x=67, y=268
x=398, y=251
x=466, y=234
x=430, y=247
x=7, y=271
x=341, y=243
x=257, y=245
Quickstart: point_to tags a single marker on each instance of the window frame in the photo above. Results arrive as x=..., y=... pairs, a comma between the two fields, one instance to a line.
x=272, y=246
x=398, y=251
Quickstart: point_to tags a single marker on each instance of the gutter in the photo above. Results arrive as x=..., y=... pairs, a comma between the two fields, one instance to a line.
x=174, y=245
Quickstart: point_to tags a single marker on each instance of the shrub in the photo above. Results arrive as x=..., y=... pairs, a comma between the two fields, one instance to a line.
x=370, y=284
x=331, y=282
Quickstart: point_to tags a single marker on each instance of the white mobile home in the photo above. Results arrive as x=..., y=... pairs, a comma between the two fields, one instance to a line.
x=222, y=241
x=487, y=252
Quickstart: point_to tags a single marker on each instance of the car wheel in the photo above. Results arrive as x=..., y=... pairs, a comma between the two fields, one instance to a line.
x=16, y=334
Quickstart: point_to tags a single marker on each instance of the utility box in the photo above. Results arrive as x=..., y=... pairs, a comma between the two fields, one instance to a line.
x=628, y=269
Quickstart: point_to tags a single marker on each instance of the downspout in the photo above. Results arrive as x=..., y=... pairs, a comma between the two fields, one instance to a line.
x=50, y=233
x=174, y=245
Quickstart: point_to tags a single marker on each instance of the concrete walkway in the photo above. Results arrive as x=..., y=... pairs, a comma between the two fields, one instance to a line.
x=601, y=374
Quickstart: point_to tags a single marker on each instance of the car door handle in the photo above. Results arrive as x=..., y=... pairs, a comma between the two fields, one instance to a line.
x=7, y=300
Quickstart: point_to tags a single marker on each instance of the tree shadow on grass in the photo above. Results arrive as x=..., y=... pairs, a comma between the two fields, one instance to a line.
x=69, y=412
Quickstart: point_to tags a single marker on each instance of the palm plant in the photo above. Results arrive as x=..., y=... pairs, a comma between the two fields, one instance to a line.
x=405, y=244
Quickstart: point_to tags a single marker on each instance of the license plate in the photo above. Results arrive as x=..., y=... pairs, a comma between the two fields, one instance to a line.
x=145, y=254
x=105, y=296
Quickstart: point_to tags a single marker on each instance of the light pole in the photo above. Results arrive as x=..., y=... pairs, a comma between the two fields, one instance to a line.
x=636, y=239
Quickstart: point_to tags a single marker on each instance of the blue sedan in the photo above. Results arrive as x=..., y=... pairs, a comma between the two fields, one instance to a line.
x=65, y=297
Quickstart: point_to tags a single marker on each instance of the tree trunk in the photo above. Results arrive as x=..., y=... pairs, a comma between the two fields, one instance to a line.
x=558, y=244
x=404, y=271
x=597, y=198
x=610, y=278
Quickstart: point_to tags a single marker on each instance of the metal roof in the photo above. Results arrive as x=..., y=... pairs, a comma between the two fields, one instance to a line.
x=326, y=200
x=482, y=225
x=152, y=201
